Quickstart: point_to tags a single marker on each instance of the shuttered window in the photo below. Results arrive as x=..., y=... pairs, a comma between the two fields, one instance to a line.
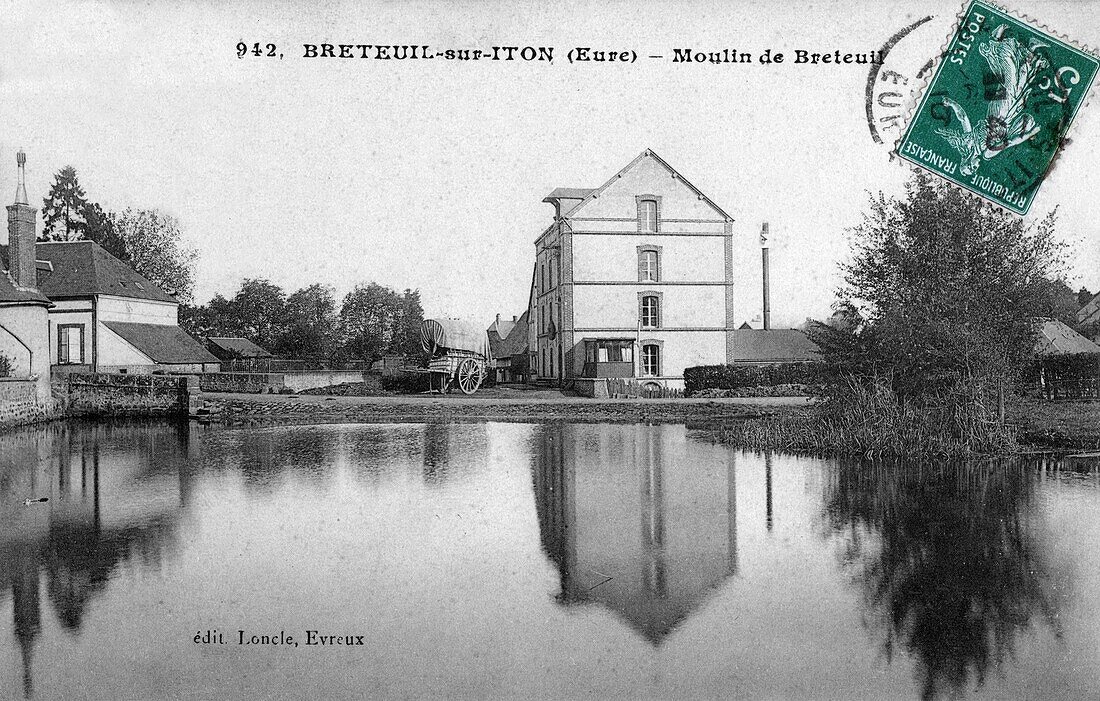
x=70, y=344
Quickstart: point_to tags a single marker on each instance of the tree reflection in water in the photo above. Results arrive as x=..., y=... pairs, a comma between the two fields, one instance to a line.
x=949, y=562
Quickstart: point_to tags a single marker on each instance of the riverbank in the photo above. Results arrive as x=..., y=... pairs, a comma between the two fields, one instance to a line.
x=523, y=406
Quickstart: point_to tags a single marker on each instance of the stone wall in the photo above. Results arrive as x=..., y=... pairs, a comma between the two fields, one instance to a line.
x=300, y=380
x=102, y=394
x=19, y=402
x=244, y=382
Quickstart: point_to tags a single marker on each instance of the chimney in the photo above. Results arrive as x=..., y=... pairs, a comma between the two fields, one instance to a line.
x=21, y=235
x=498, y=319
x=515, y=318
x=767, y=285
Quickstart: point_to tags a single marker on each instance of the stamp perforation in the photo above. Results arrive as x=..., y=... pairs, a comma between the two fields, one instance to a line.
x=921, y=93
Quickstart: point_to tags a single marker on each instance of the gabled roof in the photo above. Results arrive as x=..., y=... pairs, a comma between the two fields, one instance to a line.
x=1055, y=338
x=84, y=268
x=236, y=347
x=515, y=343
x=648, y=153
x=162, y=343
x=1090, y=311
x=772, y=346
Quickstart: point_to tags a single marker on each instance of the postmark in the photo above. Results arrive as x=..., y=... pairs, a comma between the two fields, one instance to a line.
x=998, y=107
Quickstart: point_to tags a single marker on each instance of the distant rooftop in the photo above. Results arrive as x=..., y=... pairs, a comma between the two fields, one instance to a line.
x=772, y=346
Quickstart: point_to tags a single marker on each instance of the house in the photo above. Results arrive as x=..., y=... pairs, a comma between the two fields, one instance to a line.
x=508, y=344
x=24, y=313
x=636, y=278
x=102, y=315
x=1088, y=316
x=235, y=348
x=1053, y=338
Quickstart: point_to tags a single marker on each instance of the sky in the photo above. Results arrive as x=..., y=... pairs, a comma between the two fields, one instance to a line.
x=430, y=174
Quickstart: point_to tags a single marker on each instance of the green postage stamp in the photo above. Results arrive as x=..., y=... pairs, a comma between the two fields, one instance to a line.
x=995, y=114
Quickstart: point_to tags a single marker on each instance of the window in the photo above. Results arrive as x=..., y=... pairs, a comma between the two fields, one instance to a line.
x=609, y=351
x=651, y=311
x=70, y=344
x=647, y=215
x=651, y=360
x=648, y=264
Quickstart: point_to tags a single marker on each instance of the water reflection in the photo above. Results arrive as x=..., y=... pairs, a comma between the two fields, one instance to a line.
x=949, y=561
x=638, y=518
x=521, y=559
x=69, y=540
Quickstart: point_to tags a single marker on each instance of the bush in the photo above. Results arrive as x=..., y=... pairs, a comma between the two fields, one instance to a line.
x=732, y=377
x=5, y=366
x=868, y=418
x=407, y=382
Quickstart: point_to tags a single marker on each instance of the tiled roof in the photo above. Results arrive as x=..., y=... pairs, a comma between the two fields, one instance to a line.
x=514, y=343
x=82, y=268
x=10, y=294
x=772, y=345
x=162, y=343
x=236, y=347
x=1055, y=338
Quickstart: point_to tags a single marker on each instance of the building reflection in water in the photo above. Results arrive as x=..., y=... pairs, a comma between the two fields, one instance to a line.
x=72, y=543
x=639, y=518
x=949, y=560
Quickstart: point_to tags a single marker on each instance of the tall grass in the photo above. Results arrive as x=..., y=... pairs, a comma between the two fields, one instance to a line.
x=868, y=418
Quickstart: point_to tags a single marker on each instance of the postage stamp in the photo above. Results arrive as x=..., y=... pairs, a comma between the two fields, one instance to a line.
x=996, y=112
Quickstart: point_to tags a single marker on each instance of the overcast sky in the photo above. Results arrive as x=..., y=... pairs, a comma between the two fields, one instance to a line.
x=431, y=174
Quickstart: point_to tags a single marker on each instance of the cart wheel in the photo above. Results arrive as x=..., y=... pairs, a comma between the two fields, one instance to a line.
x=469, y=376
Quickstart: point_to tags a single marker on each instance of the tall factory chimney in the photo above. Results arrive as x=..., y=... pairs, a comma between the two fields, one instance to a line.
x=767, y=281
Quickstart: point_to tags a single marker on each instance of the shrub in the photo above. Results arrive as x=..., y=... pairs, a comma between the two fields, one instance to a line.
x=6, y=366
x=707, y=377
x=868, y=418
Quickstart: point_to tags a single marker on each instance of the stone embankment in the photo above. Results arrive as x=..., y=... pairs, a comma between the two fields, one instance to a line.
x=246, y=410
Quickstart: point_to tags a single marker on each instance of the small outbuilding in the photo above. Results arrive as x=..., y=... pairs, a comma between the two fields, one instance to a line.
x=235, y=348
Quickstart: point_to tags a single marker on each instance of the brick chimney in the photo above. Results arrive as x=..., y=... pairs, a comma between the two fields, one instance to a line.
x=21, y=236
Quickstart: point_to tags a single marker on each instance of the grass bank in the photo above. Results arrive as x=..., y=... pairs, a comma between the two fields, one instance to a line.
x=870, y=420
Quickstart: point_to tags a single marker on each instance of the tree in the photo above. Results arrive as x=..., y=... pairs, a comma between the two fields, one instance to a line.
x=259, y=313
x=367, y=322
x=410, y=315
x=154, y=246
x=946, y=286
x=100, y=227
x=63, y=209
x=1084, y=296
x=310, y=323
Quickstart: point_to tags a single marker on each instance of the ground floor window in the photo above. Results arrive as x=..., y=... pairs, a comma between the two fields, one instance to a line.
x=70, y=344
x=651, y=359
x=609, y=351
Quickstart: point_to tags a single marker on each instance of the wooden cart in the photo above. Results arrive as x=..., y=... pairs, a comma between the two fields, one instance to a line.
x=459, y=354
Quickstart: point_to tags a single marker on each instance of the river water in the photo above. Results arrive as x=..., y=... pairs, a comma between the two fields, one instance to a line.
x=554, y=560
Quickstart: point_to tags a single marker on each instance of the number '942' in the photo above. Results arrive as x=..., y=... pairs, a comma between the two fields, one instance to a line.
x=257, y=49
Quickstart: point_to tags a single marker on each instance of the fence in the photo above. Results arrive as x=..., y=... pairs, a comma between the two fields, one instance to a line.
x=617, y=387
x=279, y=365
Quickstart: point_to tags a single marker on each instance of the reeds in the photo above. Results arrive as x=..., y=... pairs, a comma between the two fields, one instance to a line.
x=866, y=417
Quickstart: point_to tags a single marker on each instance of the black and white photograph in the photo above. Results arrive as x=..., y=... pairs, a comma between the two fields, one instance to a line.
x=558, y=350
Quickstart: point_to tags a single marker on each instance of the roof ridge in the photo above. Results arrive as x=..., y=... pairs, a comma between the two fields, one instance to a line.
x=653, y=154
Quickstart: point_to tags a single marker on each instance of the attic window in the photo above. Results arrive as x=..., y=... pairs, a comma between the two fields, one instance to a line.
x=139, y=285
x=122, y=282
